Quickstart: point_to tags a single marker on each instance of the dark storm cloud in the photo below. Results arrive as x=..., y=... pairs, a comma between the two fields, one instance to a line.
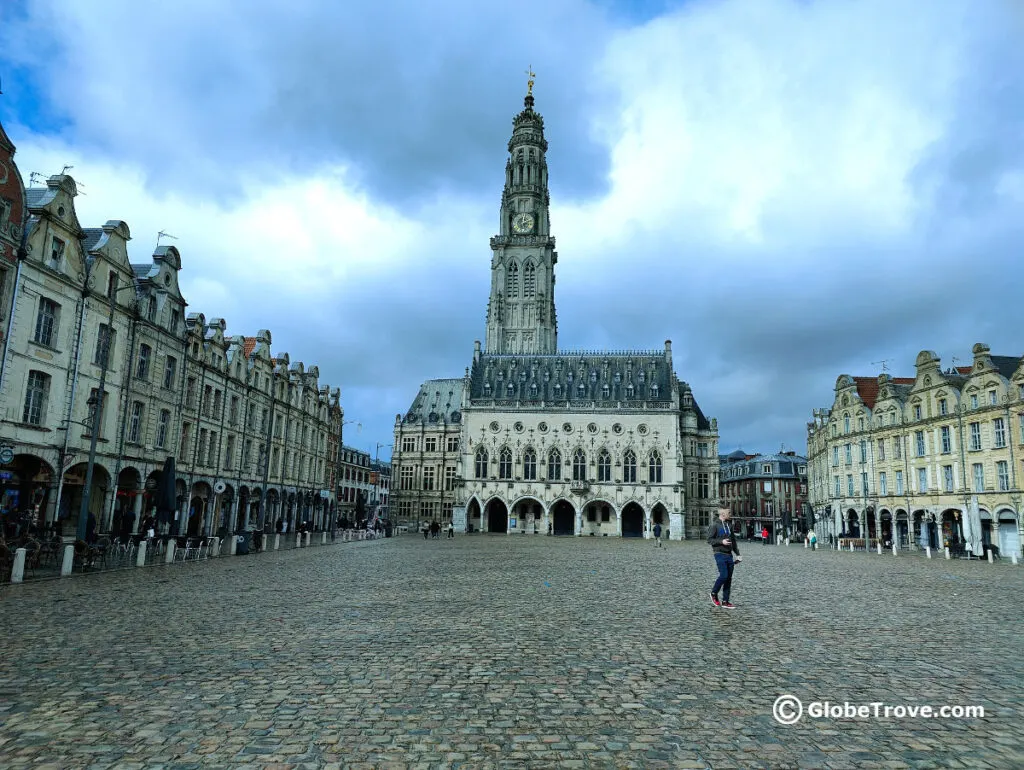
x=207, y=97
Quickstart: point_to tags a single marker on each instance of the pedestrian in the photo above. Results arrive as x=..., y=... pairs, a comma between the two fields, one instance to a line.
x=451, y=530
x=814, y=540
x=657, y=535
x=764, y=535
x=724, y=547
x=426, y=530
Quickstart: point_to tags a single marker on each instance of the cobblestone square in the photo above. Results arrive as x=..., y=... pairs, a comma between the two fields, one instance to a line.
x=511, y=651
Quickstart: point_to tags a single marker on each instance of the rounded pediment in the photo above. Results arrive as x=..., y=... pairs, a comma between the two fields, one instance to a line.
x=926, y=357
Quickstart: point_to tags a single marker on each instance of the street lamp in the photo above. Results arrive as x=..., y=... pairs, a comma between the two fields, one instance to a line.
x=96, y=404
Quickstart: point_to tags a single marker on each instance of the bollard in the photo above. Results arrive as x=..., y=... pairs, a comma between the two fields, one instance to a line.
x=894, y=549
x=277, y=541
x=990, y=559
x=879, y=548
x=298, y=540
x=18, y=570
x=1013, y=558
x=307, y=539
x=851, y=546
x=806, y=544
x=69, y=560
x=172, y=544
x=232, y=545
x=323, y=538
x=140, y=557
x=947, y=552
x=214, y=549
x=928, y=551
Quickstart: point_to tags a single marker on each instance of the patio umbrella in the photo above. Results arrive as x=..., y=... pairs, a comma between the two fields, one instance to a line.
x=972, y=520
x=166, y=496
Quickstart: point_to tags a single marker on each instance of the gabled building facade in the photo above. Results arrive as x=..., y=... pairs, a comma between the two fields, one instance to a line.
x=930, y=460
x=254, y=435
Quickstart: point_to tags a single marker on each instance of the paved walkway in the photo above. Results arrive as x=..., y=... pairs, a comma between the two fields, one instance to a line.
x=522, y=651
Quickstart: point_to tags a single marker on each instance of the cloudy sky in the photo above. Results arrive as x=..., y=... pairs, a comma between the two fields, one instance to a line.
x=786, y=189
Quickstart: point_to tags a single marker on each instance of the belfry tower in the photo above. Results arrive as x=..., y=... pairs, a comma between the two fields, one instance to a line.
x=521, y=311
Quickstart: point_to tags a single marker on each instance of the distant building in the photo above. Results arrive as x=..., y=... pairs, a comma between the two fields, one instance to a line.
x=765, y=491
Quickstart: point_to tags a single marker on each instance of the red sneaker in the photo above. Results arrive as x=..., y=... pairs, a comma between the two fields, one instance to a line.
x=729, y=605
x=714, y=601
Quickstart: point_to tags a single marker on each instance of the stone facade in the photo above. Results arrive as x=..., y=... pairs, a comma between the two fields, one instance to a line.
x=173, y=385
x=533, y=440
x=928, y=460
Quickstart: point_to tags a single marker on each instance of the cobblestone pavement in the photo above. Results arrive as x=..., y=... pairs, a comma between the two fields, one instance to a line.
x=492, y=651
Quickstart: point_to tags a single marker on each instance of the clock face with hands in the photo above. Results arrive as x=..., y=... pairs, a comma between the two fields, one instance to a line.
x=523, y=223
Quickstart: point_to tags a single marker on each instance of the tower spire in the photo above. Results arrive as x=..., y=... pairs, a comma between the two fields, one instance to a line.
x=521, y=314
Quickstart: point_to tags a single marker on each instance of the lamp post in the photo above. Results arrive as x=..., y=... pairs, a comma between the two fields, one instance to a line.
x=97, y=406
x=376, y=465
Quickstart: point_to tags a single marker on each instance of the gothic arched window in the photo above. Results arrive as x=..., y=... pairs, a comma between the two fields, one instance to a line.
x=512, y=281
x=530, y=465
x=654, y=468
x=554, y=465
x=629, y=467
x=579, y=466
x=481, y=463
x=604, y=466
x=529, y=280
x=505, y=464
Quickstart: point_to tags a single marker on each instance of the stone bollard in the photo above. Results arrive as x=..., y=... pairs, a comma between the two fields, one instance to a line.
x=232, y=545
x=990, y=559
x=298, y=540
x=214, y=549
x=787, y=541
x=928, y=551
x=277, y=541
x=851, y=546
x=307, y=539
x=172, y=544
x=18, y=570
x=894, y=549
x=323, y=538
x=140, y=557
x=806, y=544
x=1013, y=559
x=947, y=552
x=879, y=548
x=68, y=563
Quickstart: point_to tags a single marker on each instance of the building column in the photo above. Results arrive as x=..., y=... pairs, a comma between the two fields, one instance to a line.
x=137, y=508
x=647, y=524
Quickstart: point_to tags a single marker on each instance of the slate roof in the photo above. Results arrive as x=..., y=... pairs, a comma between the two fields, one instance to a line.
x=438, y=401
x=141, y=271
x=91, y=238
x=572, y=377
x=38, y=197
x=1007, y=365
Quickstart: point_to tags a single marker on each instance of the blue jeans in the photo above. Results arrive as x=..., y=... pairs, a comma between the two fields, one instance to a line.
x=725, y=567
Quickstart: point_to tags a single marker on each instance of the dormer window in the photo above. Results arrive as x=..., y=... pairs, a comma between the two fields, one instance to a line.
x=56, y=250
x=558, y=390
x=593, y=376
x=581, y=389
x=533, y=389
x=151, y=309
x=654, y=390
x=606, y=390
x=487, y=388
x=511, y=388
x=630, y=390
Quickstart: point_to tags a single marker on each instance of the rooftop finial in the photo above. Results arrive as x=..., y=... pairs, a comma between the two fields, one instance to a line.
x=530, y=74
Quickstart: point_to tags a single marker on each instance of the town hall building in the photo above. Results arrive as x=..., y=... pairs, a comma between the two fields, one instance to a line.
x=537, y=440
